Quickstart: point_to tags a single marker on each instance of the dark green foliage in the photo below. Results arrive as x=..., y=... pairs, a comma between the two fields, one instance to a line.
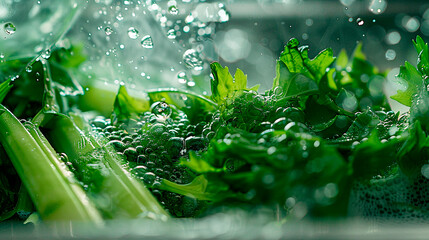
x=323, y=135
x=9, y=186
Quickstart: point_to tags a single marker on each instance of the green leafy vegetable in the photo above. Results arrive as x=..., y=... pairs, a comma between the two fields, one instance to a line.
x=423, y=55
x=322, y=143
x=224, y=86
x=413, y=80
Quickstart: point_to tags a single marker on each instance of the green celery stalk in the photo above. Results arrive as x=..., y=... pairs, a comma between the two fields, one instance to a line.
x=62, y=168
x=49, y=189
x=130, y=198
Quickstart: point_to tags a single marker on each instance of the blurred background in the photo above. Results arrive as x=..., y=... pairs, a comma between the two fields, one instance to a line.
x=169, y=43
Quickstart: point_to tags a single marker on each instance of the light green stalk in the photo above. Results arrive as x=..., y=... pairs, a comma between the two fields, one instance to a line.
x=129, y=197
x=49, y=189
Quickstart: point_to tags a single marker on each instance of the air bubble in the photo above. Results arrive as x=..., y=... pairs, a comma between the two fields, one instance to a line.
x=29, y=68
x=393, y=38
x=133, y=33
x=360, y=22
x=192, y=59
x=223, y=15
x=9, y=28
x=46, y=54
x=191, y=84
x=425, y=170
x=183, y=78
x=173, y=10
x=171, y=34
x=377, y=6
x=161, y=110
x=147, y=42
x=390, y=54
x=108, y=31
x=412, y=24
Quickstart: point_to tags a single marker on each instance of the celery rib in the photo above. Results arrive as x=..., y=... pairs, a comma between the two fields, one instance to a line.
x=51, y=194
x=130, y=198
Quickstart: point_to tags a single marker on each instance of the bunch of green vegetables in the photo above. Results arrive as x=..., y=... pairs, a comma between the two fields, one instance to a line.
x=323, y=143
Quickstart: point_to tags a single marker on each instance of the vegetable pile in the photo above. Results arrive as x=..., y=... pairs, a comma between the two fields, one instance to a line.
x=323, y=143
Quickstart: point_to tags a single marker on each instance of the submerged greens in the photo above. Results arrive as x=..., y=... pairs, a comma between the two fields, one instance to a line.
x=322, y=143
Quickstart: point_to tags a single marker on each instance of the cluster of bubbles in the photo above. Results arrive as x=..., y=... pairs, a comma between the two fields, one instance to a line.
x=404, y=23
x=191, y=26
x=394, y=198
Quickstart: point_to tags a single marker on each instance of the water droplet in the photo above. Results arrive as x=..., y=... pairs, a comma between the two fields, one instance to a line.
x=425, y=170
x=46, y=54
x=189, y=19
x=147, y=42
x=330, y=190
x=133, y=33
x=192, y=59
x=161, y=109
x=29, y=68
x=183, y=78
x=290, y=202
x=268, y=179
x=9, y=28
x=393, y=38
x=108, y=31
x=173, y=10
x=171, y=34
x=390, y=54
x=223, y=15
x=191, y=84
x=412, y=24
x=271, y=150
x=377, y=6
x=316, y=144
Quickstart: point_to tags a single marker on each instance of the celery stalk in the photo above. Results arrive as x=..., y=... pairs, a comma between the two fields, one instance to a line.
x=49, y=189
x=130, y=198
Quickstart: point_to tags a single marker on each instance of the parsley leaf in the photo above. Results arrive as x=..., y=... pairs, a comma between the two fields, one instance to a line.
x=412, y=77
x=423, y=55
x=224, y=87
